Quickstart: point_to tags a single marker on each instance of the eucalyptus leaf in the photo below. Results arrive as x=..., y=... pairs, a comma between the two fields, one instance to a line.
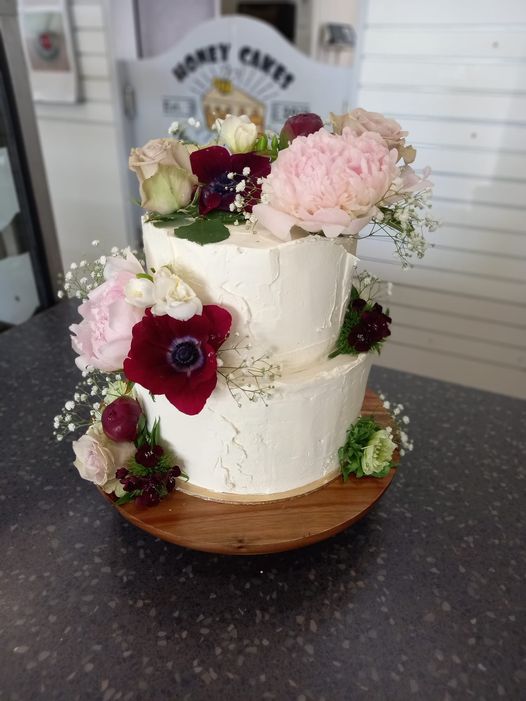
x=172, y=222
x=203, y=231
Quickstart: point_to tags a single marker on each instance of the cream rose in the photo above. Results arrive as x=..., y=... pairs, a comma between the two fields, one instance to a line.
x=165, y=293
x=165, y=176
x=238, y=134
x=139, y=292
x=173, y=296
x=377, y=453
x=98, y=458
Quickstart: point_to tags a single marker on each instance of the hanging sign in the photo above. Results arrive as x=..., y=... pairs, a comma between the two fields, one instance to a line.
x=232, y=65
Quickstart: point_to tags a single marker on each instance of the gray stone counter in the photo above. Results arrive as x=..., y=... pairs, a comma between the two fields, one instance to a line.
x=423, y=599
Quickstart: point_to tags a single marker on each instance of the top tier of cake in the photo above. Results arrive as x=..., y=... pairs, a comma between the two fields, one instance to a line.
x=289, y=298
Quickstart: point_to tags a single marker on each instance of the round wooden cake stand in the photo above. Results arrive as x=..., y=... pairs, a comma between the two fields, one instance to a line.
x=267, y=527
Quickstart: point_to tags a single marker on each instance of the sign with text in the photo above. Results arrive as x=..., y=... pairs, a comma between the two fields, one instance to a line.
x=232, y=65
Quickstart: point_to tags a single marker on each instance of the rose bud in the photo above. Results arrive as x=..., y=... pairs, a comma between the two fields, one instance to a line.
x=119, y=419
x=299, y=125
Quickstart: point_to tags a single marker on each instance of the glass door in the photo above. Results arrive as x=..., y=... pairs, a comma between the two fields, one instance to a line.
x=29, y=256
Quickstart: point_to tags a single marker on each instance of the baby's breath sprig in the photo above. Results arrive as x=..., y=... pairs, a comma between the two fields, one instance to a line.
x=405, y=221
x=401, y=420
x=178, y=129
x=245, y=375
x=247, y=194
x=85, y=276
x=92, y=394
x=367, y=286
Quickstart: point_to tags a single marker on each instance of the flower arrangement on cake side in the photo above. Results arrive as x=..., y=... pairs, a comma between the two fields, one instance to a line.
x=146, y=326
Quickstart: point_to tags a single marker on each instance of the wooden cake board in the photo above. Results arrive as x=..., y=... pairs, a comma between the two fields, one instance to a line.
x=264, y=527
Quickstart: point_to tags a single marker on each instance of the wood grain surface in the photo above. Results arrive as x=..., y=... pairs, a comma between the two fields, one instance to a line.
x=247, y=529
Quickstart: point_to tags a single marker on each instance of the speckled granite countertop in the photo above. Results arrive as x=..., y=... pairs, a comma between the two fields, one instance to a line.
x=423, y=599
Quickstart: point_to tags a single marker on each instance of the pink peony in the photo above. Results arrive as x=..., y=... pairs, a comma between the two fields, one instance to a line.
x=103, y=337
x=327, y=182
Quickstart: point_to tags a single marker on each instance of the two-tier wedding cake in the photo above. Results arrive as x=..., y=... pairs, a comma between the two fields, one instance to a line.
x=232, y=362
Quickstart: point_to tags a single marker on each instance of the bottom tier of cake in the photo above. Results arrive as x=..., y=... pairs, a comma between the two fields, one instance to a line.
x=269, y=451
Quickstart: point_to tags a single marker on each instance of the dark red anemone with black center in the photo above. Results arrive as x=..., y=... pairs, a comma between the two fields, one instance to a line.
x=212, y=166
x=178, y=358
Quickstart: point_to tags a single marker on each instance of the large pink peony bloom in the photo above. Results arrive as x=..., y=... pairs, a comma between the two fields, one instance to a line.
x=103, y=337
x=327, y=182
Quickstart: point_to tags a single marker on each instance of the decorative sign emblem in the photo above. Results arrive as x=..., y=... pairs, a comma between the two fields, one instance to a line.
x=232, y=65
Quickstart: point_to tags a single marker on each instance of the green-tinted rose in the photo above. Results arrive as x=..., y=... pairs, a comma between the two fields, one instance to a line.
x=378, y=453
x=163, y=169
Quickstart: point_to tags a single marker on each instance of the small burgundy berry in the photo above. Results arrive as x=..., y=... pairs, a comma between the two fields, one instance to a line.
x=299, y=125
x=119, y=419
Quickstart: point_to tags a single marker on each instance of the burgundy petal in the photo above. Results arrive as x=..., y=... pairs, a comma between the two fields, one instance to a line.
x=259, y=165
x=220, y=321
x=208, y=201
x=192, y=402
x=209, y=163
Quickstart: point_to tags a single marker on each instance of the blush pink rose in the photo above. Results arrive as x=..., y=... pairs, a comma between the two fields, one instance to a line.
x=103, y=337
x=97, y=458
x=327, y=182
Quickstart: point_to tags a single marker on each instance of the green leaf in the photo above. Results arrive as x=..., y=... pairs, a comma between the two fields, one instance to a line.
x=173, y=221
x=224, y=217
x=129, y=496
x=203, y=231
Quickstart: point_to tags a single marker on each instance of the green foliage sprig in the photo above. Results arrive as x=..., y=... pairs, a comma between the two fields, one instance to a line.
x=351, y=453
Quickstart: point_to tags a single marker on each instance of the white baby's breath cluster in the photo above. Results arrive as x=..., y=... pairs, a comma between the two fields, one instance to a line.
x=177, y=129
x=368, y=286
x=401, y=420
x=92, y=393
x=245, y=375
x=405, y=221
x=85, y=276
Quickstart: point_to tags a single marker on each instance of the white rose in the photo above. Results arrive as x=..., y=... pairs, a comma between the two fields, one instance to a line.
x=98, y=458
x=238, y=134
x=139, y=292
x=377, y=453
x=173, y=296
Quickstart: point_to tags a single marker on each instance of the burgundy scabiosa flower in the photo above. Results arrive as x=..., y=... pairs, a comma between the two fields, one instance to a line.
x=178, y=358
x=148, y=456
x=372, y=328
x=213, y=164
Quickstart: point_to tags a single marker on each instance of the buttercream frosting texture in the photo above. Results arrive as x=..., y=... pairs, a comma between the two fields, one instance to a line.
x=287, y=301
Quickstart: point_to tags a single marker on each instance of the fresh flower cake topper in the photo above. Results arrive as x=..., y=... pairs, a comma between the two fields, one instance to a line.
x=332, y=180
x=148, y=326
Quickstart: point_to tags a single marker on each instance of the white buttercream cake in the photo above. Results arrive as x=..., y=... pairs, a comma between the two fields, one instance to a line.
x=288, y=300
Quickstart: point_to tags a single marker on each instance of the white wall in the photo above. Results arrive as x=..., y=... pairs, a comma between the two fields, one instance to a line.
x=80, y=144
x=454, y=75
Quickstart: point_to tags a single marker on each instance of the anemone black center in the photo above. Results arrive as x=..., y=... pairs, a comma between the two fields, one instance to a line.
x=186, y=354
x=223, y=185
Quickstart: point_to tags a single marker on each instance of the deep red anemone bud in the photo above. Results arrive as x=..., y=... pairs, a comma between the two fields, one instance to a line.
x=299, y=125
x=178, y=358
x=213, y=164
x=119, y=419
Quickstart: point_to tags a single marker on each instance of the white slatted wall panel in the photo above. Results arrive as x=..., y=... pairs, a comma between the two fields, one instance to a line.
x=80, y=144
x=454, y=75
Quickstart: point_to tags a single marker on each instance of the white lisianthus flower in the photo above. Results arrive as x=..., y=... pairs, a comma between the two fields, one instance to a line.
x=173, y=296
x=238, y=134
x=98, y=458
x=139, y=292
x=377, y=453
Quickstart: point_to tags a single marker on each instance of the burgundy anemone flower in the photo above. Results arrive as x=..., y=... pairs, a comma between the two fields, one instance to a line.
x=212, y=166
x=178, y=358
x=372, y=328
